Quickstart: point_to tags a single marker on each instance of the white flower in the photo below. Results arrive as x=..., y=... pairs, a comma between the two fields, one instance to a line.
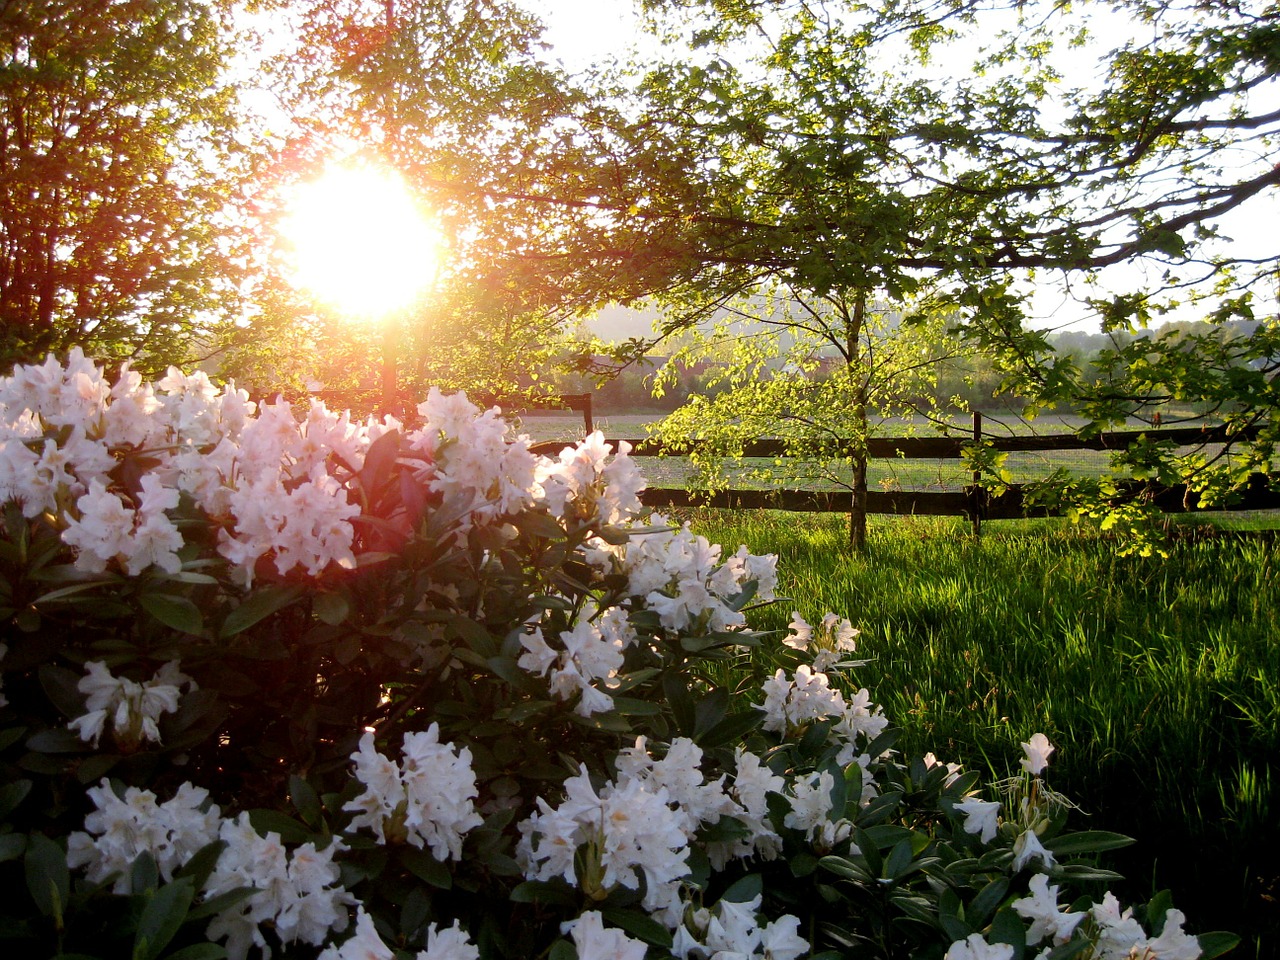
x=300, y=896
x=1173, y=943
x=781, y=939
x=427, y=800
x=1027, y=848
x=811, y=810
x=365, y=944
x=1041, y=908
x=801, y=633
x=1118, y=933
x=977, y=948
x=133, y=708
x=119, y=830
x=594, y=941
x=449, y=943
x=1037, y=754
x=981, y=817
x=792, y=703
x=629, y=830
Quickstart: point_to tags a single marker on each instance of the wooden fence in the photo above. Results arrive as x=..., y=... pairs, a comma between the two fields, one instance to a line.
x=972, y=501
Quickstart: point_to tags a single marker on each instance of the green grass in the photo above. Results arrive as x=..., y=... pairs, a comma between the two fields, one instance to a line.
x=1158, y=679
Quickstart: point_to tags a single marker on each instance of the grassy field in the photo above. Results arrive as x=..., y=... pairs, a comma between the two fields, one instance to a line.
x=1159, y=680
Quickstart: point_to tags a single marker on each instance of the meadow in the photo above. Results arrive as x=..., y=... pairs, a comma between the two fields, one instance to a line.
x=1158, y=679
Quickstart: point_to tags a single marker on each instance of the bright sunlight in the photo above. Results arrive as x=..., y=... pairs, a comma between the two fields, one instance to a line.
x=358, y=241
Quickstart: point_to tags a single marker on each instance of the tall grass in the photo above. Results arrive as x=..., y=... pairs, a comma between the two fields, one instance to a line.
x=1158, y=679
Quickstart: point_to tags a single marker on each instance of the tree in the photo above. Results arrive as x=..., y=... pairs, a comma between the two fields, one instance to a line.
x=449, y=94
x=115, y=169
x=819, y=373
x=831, y=148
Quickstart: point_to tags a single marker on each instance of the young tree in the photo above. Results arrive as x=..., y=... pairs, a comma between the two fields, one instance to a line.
x=819, y=373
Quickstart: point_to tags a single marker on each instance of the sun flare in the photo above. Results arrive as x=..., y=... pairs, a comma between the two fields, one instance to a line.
x=357, y=240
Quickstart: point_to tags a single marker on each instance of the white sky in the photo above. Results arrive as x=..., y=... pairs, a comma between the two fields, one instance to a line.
x=583, y=32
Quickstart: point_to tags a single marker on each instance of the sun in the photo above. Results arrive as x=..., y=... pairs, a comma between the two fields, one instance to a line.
x=357, y=240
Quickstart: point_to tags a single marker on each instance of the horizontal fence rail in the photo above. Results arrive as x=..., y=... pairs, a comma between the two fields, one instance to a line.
x=973, y=501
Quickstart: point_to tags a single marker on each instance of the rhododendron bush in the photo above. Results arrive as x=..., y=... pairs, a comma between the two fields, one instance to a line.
x=284, y=683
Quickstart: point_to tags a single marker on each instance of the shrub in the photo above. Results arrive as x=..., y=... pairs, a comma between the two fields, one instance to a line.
x=288, y=685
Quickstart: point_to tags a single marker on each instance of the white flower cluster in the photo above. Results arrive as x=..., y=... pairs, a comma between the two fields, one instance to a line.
x=644, y=822
x=425, y=800
x=1113, y=935
x=274, y=484
x=594, y=941
x=443, y=943
x=734, y=930
x=791, y=704
x=627, y=830
x=299, y=895
x=470, y=455
x=682, y=576
x=836, y=636
x=133, y=708
x=592, y=651
x=119, y=830
x=698, y=801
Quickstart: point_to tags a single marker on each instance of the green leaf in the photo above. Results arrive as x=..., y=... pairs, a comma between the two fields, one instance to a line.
x=144, y=874
x=1216, y=943
x=223, y=901
x=732, y=729
x=305, y=800
x=427, y=868
x=802, y=864
x=562, y=950
x=899, y=859
x=631, y=707
x=539, y=891
x=94, y=768
x=985, y=903
x=506, y=668
x=331, y=608
x=179, y=613
x=48, y=879
x=745, y=888
x=846, y=869
x=201, y=863
x=682, y=708
x=56, y=740
x=1007, y=927
x=61, y=686
x=164, y=914
x=273, y=821
x=380, y=460
x=709, y=711
x=12, y=846
x=258, y=606
x=1086, y=841
x=12, y=794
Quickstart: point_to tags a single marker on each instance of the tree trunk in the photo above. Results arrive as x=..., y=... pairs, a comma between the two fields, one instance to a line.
x=858, y=502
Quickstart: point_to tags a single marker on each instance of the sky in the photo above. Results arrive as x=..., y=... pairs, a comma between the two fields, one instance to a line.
x=586, y=31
